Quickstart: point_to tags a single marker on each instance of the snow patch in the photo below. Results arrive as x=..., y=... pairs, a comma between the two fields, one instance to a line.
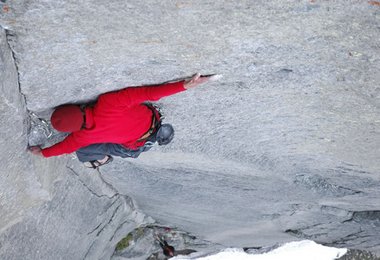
x=301, y=250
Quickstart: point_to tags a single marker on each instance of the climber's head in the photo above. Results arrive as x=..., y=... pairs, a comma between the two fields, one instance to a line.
x=165, y=134
x=67, y=118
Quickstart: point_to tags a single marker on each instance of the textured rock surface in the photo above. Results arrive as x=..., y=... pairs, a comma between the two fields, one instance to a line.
x=48, y=207
x=286, y=146
x=19, y=185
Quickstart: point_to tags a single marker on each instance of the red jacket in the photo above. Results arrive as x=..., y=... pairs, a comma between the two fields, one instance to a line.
x=118, y=117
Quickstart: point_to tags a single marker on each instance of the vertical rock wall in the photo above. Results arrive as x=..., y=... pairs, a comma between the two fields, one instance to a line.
x=285, y=147
x=19, y=185
x=48, y=209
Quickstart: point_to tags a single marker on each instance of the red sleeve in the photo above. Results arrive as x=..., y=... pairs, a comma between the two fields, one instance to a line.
x=136, y=95
x=68, y=145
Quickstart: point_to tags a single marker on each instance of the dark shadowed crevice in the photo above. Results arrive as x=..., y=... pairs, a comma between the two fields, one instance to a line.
x=372, y=215
x=10, y=37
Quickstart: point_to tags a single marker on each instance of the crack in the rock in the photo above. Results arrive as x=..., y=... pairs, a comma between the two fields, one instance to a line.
x=369, y=215
x=347, y=212
x=347, y=220
x=372, y=215
x=126, y=221
x=349, y=189
x=301, y=229
x=88, y=188
x=296, y=232
x=358, y=215
x=110, y=220
x=100, y=227
x=89, y=249
x=347, y=238
x=113, y=202
x=101, y=230
x=117, y=229
x=344, y=242
x=110, y=206
x=89, y=233
x=107, y=183
x=341, y=241
x=8, y=36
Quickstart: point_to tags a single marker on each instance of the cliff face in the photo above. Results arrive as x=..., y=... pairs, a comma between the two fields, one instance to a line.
x=48, y=207
x=286, y=146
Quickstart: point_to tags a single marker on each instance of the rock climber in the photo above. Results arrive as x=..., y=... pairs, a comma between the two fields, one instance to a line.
x=121, y=123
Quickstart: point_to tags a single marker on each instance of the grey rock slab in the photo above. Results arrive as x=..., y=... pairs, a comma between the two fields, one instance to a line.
x=240, y=205
x=75, y=224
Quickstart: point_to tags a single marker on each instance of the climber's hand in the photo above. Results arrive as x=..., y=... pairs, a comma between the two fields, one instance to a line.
x=36, y=150
x=197, y=79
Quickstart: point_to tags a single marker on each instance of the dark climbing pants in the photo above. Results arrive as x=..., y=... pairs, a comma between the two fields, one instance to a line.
x=99, y=151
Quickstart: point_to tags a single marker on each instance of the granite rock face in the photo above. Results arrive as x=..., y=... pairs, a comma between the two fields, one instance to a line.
x=20, y=191
x=285, y=147
x=51, y=208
